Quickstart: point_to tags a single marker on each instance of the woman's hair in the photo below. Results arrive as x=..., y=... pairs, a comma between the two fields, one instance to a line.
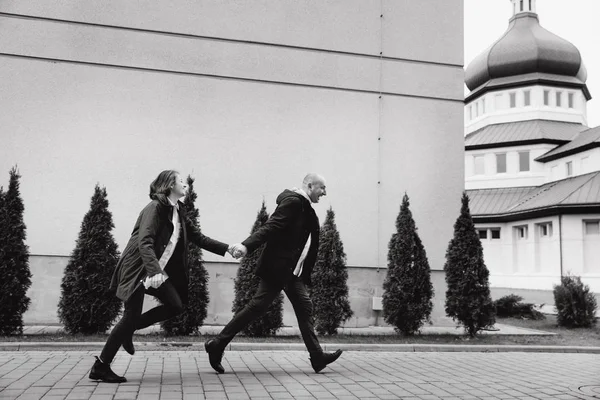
x=160, y=188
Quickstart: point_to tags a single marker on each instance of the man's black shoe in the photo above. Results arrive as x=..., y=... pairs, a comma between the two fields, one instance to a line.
x=128, y=345
x=320, y=361
x=102, y=372
x=215, y=355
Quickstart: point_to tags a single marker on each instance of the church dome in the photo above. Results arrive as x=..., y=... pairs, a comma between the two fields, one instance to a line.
x=525, y=48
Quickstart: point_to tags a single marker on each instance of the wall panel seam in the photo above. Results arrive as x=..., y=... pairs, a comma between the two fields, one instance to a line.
x=229, y=40
x=225, y=77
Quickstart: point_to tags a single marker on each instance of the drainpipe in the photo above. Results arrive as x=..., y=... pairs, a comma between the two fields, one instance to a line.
x=560, y=243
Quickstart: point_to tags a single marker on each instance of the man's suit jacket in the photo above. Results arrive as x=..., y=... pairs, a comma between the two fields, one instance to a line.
x=150, y=236
x=285, y=234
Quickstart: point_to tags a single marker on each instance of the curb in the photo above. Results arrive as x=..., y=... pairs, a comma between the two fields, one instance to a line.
x=241, y=346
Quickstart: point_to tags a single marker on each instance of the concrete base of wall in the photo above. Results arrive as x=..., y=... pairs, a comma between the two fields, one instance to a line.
x=364, y=283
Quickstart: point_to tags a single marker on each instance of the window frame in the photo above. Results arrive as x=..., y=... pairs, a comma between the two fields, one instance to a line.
x=505, y=163
x=527, y=98
x=528, y=161
x=569, y=168
x=591, y=221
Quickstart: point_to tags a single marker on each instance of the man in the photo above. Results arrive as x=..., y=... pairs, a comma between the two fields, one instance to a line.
x=292, y=239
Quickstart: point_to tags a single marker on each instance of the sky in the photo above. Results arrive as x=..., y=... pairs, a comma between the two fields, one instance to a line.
x=577, y=21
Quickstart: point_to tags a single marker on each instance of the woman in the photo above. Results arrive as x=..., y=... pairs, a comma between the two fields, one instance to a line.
x=154, y=262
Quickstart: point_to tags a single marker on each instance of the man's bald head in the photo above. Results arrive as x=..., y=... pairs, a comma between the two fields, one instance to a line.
x=314, y=186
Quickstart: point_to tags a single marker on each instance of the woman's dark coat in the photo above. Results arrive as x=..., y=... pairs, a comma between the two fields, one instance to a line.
x=150, y=236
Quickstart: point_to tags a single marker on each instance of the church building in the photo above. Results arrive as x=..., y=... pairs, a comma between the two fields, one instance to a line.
x=532, y=164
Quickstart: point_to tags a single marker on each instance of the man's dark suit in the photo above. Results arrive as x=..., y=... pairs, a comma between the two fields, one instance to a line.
x=285, y=235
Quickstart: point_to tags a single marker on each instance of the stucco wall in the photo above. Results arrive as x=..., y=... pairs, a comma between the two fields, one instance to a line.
x=246, y=97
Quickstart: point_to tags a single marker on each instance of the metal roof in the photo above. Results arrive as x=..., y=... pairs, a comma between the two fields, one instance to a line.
x=582, y=141
x=582, y=190
x=495, y=201
x=524, y=48
x=511, y=132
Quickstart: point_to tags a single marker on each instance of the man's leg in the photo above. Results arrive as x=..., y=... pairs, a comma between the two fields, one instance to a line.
x=264, y=296
x=298, y=295
x=262, y=299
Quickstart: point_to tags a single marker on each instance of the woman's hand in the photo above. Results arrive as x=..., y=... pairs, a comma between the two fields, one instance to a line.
x=237, y=250
x=154, y=281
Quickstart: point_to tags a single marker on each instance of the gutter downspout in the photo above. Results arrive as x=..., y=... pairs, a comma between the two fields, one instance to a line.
x=560, y=243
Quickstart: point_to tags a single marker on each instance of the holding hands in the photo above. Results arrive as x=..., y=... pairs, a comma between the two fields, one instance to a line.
x=237, y=250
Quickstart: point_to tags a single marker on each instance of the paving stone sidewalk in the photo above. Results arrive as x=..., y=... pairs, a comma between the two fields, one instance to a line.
x=287, y=375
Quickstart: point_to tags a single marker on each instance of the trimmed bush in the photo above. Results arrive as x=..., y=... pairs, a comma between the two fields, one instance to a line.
x=86, y=305
x=14, y=259
x=246, y=283
x=408, y=292
x=511, y=307
x=194, y=314
x=329, y=291
x=468, y=298
x=575, y=304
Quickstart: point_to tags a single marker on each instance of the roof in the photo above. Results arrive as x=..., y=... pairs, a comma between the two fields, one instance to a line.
x=524, y=48
x=584, y=140
x=496, y=201
x=514, y=133
x=575, y=194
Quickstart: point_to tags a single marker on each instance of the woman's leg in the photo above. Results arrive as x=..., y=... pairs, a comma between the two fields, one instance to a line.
x=125, y=327
x=171, y=306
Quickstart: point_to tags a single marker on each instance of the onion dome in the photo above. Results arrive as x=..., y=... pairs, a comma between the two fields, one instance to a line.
x=527, y=49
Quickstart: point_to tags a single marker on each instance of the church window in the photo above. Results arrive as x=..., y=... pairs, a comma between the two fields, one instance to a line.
x=500, y=163
x=483, y=106
x=527, y=97
x=521, y=232
x=495, y=233
x=546, y=97
x=513, y=100
x=521, y=5
x=545, y=229
x=483, y=233
x=523, y=161
x=558, y=99
x=569, y=166
x=592, y=227
x=571, y=100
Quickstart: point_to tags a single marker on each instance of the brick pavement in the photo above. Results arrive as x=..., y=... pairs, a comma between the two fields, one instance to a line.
x=155, y=375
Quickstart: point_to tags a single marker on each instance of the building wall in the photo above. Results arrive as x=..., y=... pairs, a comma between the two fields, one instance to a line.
x=534, y=262
x=581, y=163
x=513, y=177
x=363, y=284
x=539, y=173
x=495, y=107
x=246, y=97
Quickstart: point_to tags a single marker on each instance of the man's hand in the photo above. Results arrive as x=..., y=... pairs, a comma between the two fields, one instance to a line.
x=237, y=250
